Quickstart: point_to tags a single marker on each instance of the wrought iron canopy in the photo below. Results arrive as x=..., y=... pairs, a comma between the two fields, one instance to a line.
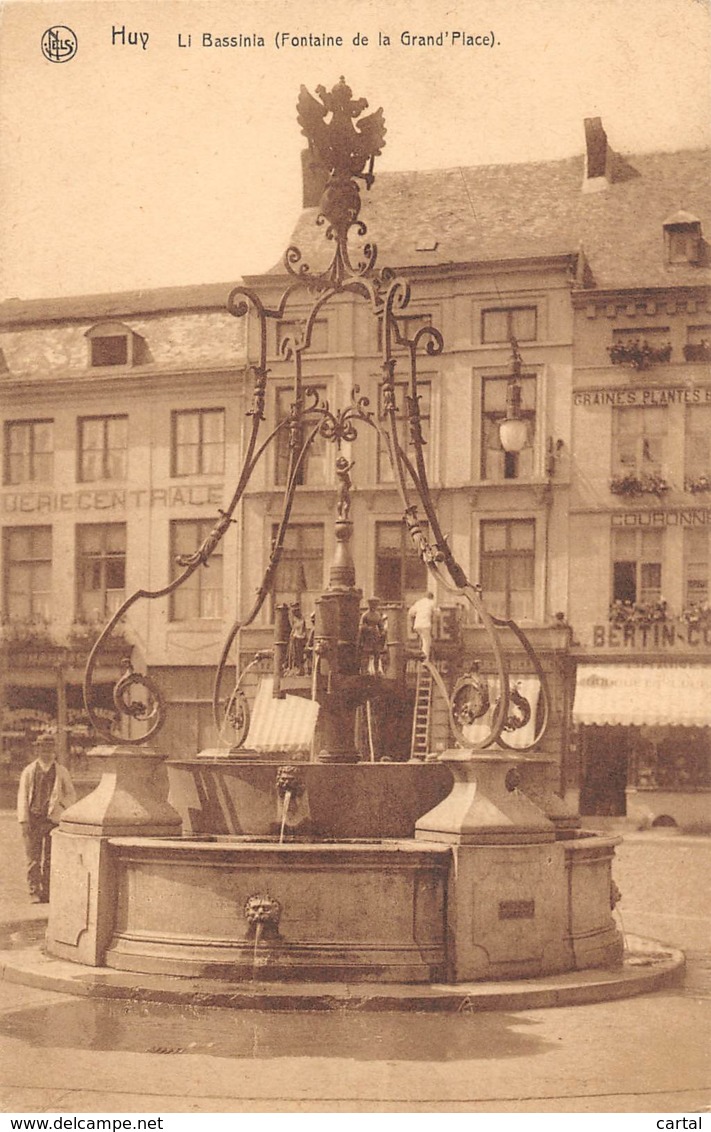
x=346, y=144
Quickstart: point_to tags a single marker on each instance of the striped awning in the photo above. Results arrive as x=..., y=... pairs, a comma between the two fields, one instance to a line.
x=652, y=694
x=281, y=724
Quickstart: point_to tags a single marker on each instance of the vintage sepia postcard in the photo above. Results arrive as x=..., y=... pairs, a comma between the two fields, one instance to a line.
x=355, y=560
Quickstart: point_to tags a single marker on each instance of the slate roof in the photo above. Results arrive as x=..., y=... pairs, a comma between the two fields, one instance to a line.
x=495, y=212
x=116, y=304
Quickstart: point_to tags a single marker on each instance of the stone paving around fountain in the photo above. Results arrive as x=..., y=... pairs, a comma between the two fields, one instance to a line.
x=643, y=1054
x=60, y=1053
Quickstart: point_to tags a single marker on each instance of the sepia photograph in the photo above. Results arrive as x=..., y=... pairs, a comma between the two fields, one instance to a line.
x=355, y=560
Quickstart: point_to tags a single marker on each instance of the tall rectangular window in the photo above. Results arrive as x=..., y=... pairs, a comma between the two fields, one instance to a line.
x=639, y=440
x=400, y=573
x=101, y=569
x=200, y=597
x=501, y=324
x=385, y=472
x=696, y=566
x=198, y=442
x=103, y=448
x=496, y=464
x=29, y=451
x=508, y=559
x=697, y=445
x=28, y=573
x=314, y=467
x=637, y=566
x=299, y=576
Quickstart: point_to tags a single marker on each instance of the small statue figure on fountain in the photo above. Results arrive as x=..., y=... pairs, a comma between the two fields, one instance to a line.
x=372, y=639
x=343, y=505
x=309, y=649
x=297, y=641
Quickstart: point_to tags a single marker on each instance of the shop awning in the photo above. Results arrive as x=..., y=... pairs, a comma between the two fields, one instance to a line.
x=653, y=694
x=280, y=725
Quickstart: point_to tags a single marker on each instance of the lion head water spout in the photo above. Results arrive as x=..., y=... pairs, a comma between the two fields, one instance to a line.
x=289, y=786
x=262, y=913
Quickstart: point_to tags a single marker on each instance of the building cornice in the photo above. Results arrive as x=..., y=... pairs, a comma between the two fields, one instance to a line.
x=563, y=261
x=147, y=379
x=650, y=301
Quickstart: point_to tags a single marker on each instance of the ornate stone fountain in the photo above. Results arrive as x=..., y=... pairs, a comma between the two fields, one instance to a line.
x=324, y=866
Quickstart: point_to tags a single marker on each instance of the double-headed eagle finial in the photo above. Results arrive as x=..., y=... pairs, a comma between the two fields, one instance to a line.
x=342, y=145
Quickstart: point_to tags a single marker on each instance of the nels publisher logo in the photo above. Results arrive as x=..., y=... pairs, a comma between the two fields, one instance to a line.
x=59, y=44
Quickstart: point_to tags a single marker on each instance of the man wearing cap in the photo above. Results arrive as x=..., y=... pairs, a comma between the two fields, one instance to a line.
x=45, y=792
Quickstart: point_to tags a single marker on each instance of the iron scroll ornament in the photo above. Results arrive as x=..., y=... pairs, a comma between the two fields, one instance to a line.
x=149, y=710
x=346, y=145
x=470, y=699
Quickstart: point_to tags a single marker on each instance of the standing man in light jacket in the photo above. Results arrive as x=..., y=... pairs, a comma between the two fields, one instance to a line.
x=421, y=615
x=45, y=792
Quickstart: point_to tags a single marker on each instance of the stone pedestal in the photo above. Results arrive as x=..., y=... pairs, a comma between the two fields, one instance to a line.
x=131, y=799
x=84, y=897
x=483, y=809
x=537, y=774
x=506, y=898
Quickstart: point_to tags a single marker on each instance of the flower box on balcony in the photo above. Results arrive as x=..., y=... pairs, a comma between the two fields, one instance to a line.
x=697, y=615
x=25, y=635
x=697, y=352
x=632, y=485
x=698, y=484
x=642, y=613
x=638, y=355
x=83, y=635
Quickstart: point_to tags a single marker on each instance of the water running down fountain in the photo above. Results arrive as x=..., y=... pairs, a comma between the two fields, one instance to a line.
x=442, y=871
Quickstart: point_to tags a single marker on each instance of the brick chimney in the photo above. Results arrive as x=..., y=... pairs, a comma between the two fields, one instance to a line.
x=314, y=176
x=598, y=157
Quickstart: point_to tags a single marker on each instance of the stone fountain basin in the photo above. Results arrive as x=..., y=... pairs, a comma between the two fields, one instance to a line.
x=354, y=911
x=377, y=879
x=354, y=801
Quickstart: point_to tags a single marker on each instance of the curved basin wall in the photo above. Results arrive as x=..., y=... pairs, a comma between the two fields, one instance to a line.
x=388, y=911
x=362, y=800
x=373, y=912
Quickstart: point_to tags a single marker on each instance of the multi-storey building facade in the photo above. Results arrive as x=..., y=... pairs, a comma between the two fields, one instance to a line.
x=639, y=518
x=121, y=425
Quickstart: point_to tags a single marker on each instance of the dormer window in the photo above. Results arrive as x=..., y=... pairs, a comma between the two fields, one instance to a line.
x=682, y=238
x=111, y=344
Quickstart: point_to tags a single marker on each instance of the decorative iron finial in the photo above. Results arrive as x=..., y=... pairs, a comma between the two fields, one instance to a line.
x=342, y=147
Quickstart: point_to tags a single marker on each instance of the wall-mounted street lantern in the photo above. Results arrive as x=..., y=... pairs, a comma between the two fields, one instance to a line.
x=513, y=430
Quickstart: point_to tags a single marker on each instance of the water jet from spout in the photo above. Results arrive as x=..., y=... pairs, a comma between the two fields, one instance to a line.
x=285, y=803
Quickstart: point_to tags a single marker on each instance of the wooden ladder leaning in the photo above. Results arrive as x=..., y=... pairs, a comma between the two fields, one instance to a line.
x=422, y=717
